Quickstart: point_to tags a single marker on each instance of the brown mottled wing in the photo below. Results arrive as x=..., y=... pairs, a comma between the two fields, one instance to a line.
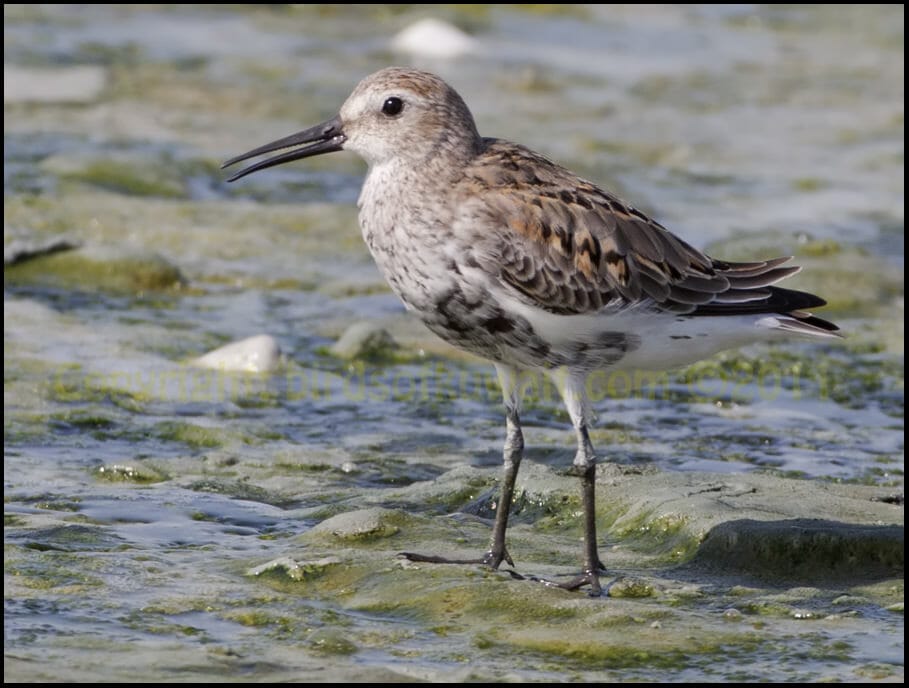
x=569, y=247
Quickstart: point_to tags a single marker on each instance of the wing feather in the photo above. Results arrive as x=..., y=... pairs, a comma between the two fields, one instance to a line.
x=567, y=246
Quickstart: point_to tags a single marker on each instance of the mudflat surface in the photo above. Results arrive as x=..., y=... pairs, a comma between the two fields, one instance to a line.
x=167, y=520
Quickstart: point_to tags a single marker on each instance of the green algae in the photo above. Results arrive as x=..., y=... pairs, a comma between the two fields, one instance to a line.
x=854, y=382
x=129, y=178
x=463, y=493
x=42, y=578
x=888, y=594
x=668, y=537
x=515, y=608
x=97, y=270
x=52, y=502
x=876, y=671
x=238, y=489
x=365, y=343
x=314, y=237
x=633, y=588
x=820, y=247
x=69, y=385
x=52, y=560
x=809, y=184
x=255, y=618
x=286, y=567
x=805, y=549
x=361, y=526
x=140, y=474
x=331, y=642
x=192, y=435
x=609, y=655
x=91, y=421
x=198, y=436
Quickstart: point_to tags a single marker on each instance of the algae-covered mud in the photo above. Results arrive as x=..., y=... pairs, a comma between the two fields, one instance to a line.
x=220, y=427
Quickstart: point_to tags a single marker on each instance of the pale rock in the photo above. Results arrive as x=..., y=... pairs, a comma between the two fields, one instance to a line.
x=259, y=354
x=434, y=38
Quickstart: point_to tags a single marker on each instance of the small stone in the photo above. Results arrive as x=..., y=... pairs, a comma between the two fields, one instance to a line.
x=21, y=250
x=362, y=524
x=258, y=354
x=331, y=642
x=129, y=473
x=293, y=569
x=53, y=85
x=434, y=38
x=104, y=268
x=365, y=340
x=631, y=587
x=850, y=600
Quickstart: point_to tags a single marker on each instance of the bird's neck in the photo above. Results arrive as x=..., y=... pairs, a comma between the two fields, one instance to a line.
x=400, y=183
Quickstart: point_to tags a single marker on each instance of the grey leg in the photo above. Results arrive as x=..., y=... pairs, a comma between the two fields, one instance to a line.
x=512, y=454
x=585, y=464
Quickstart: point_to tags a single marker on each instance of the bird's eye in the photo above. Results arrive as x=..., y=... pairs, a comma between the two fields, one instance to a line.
x=392, y=106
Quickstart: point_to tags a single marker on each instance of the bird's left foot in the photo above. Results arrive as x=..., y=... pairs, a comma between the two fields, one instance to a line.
x=492, y=559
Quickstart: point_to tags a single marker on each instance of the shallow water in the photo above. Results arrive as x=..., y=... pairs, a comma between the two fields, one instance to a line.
x=140, y=492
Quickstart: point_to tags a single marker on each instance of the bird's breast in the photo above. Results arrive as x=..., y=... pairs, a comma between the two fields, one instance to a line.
x=408, y=234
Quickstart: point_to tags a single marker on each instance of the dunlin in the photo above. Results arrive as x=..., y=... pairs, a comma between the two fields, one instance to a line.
x=505, y=254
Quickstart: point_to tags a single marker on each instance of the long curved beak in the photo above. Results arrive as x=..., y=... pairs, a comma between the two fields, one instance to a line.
x=323, y=138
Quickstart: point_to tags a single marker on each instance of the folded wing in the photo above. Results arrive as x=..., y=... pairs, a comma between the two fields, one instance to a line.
x=569, y=247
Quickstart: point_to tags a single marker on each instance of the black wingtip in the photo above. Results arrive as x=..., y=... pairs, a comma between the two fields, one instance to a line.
x=780, y=301
x=820, y=323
